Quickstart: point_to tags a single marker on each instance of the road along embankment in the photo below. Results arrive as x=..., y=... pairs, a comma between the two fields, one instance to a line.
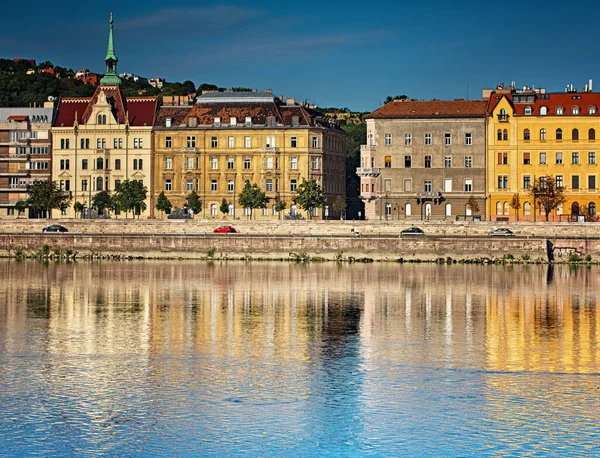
x=240, y=246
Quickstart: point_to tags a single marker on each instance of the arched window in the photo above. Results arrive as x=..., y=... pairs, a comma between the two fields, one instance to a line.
x=502, y=115
x=559, y=110
x=575, y=110
x=575, y=209
x=528, y=110
x=575, y=134
x=498, y=208
x=592, y=134
x=506, y=211
x=592, y=109
x=427, y=209
x=527, y=209
x=559, y=134
x=468, y=210
x=499, y=134
x=592, y=209
x=543, y=111
x=448, y=210
x=407, y=210
x=505, y=134
x=101, y=119
x=99, y=183
x=99, y=163
x=542, y=134
x=526, y=134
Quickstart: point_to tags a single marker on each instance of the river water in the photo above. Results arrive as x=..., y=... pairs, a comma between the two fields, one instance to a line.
x=276, y=359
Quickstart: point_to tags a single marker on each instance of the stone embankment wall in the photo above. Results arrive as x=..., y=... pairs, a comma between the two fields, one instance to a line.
x=325, y=239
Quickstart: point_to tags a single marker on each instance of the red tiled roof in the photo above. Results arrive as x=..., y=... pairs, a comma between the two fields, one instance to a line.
x=567, y=100
x=17, y=118
x=141, y=110
x=431, y=109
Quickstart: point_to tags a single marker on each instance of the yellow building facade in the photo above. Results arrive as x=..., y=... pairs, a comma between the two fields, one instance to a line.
x=228, y=139
x=534, y=134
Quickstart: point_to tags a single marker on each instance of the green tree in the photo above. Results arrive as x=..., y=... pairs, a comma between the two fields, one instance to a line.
x=515, y=204
x=101, y=201
x=20, y=207
x=45, y=196
x=309, y=195
x=77, y=208
x=356, y=135
x=546, y=194
x=224, y=208
x=279, y=206
x=194, y=203
x=163, y=204
x=130, y=196
x=339, y=205
x=252, y=197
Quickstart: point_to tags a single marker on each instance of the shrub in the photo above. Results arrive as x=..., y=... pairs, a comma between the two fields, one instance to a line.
x=574, y=257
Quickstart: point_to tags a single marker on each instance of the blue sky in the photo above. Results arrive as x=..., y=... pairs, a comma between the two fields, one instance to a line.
x=333, y=53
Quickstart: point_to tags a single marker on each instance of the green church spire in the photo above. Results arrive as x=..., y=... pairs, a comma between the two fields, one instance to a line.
x=110, y=77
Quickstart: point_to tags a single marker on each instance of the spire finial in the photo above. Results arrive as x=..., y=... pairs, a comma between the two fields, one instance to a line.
x=110, y=77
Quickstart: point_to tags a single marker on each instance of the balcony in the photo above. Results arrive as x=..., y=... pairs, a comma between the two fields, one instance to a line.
x=367, y=148
x=368, y=172
x=503, y=117
x=368, y=195
x=270, y=149
x=190, y=150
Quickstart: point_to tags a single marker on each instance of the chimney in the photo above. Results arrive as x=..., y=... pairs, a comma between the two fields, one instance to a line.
x=590, y=86
x=290, y=101
x=192, y=121
x=270, y=91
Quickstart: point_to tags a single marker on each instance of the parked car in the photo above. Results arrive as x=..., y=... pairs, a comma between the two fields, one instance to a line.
x=225, y=230
x=55, y=228
x=501, y=231
x=412, y=231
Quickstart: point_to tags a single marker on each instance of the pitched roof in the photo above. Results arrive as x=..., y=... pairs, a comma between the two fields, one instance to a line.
x=566, y=100
x=432, y=109
x=141, y=110
x=18, y=118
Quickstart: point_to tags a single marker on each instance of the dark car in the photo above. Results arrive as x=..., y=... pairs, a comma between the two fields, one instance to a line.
x=225, y=230
x=501, y=231
x=55, y=228
x=412, y=231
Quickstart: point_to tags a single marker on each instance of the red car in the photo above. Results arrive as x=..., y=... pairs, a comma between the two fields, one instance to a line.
x=224, y=230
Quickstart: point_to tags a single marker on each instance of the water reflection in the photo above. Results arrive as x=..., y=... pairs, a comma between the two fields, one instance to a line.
x=189, y=358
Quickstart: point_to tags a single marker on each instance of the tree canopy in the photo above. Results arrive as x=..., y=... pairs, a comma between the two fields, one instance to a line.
x=309, y=195
x=252, y=197
x=194, y=203
x=547, y=194
x=163, y=204
x=101, y=201
x=130, y=196
x=45, y=196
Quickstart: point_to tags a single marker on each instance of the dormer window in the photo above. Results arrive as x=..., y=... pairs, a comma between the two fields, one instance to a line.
x=271, y=121
x=248, y=121
x=592, y=109
x=217, y=122
x=101, y=119
x=559, y=110
x=575, y=110
x=233, y=121
x=543, y=111
x=168, y=122
x=295, y=121
x=528, y=110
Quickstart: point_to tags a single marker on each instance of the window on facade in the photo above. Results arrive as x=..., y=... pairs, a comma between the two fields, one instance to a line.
x=428, y=139
x=407, y=185
x=592, y=158
x=84, y=185
x=526, y=134
x=230, y=163
x=270, y=141
x=315, y=142
x=543, y=111
x=189, y=185
x=592, y=209
x=295, y=121
x=315, y=163
x=502, y=181
x=542, y=158
x=168, y=184
x=64, y=164
x=499, y=134
x=559, y=110
x=542, y=134
x=269, y=163
x=388, y=139
x=213, y=209
x=213, y=142
x=592, y=109
x=526, y=158
x=592, y=182
x=448, y=185
x=427, y=162
x=559, y=158
x=246, y=163
x=468, y=185
x=84, y=164
x=427, y=187
x=293, y=185
x=527, y=209
x=503, y=158
x=575, y=158
x=407, y=161
x=505, y=134
x=526, y=182
x=575, y=182
x=190, y=162
x=293, y=142
x=447, y=139
x=168, y=163
x=575, y=134
x=447, y=162
x=230, y=142
x=99, y=163
x=101, y=119
x=575, y=110
x=468, y=139
x=99, y=184
x=387, y=185
x=407, y=139
x=468, y=161
x=213, y=185
x=528, y=110
x=388, y=161
x=214, y=163
x=230, y=185
x=269, y=185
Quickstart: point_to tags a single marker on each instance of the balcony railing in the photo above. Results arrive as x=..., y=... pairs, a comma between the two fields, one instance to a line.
x=269, y=149
x=367, y=172
x=190, y=150
x=503, y=117
x=367, y=148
